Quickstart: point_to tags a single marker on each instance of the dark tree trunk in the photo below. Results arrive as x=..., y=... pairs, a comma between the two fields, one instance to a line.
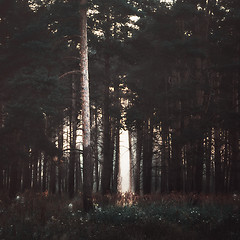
x=208, y=163
x=130, y=161
x=235, y=162
x=156, y=176
x=117, y=161
x=26, y=175
x=60, y=146
x=35, y=170
x=199, y=166
x=40, y=172
x=44, y=179
x=107, y=168
x=73, y=134
x=117, y=138
x=218, y=164
x=96, y=169
x=147, y=156
x=1, y=178
x=164, y=164
x=138, y=160
x=176, y=169
x=53, y=176
x=13, y=188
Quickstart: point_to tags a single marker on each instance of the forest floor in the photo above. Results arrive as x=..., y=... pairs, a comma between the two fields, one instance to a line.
x=124, y=216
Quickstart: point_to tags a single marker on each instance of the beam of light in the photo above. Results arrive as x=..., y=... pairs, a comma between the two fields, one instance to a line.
x=124, y=162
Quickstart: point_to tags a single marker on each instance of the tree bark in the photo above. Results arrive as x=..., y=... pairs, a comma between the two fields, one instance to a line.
x=130, y=161
x=26, y=175
x=107, y=161
x=208, y=162
x=53, y=176
x=44, y=178
x=164, y=163
x=96, y=152
x=147, y=156
x=87, y=158
x=13, y=188
x=218, y=163
x=73, y=134
x=35, y=170
x=1, y=178
x=60, y=146
x=138, y=160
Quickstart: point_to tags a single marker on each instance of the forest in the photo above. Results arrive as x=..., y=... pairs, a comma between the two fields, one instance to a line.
x=75, y=75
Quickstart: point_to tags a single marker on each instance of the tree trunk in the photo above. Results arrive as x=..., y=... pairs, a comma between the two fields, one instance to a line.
x=175, y=169
x=60, y=146
x=130, y=161
x=235, y=162
x=1, y=178
x=40, y=172
x=164, y=163
x=13, y=188
x=117, y=138
x=73, y=134
x=53, y=177
x=138, y=160
x=96, y=152
x=87, y=158
x=26, y=175
x=147, y=157
x=218, y=164
x=117, y=161
x=199, y=166
x=44, y=179
x=208, y=162
x=107, y=161
x=35, y=170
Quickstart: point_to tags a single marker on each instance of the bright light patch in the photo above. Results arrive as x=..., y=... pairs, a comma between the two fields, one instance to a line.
x=134, y=18
x=124, y=162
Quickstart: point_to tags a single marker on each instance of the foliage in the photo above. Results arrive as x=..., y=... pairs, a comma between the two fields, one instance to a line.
x=41, y=216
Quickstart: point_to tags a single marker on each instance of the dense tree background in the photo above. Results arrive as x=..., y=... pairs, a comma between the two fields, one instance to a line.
x=169, y=73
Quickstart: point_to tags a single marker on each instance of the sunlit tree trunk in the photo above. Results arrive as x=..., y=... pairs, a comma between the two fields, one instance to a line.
x=87, y=158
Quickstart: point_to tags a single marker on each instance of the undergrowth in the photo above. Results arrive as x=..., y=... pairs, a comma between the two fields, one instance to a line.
x=173, y=216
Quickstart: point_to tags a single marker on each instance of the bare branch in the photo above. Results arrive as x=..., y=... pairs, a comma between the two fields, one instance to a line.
x=69, y=73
